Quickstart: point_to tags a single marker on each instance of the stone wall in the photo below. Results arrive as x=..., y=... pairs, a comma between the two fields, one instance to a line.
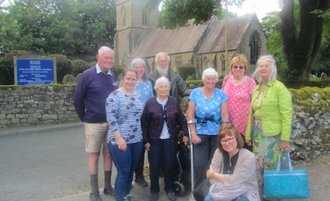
x=22, y=105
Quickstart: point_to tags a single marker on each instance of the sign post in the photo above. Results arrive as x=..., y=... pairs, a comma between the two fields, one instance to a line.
x=35, y=70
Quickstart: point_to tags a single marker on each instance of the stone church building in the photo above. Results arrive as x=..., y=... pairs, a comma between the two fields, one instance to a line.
x=201, y=45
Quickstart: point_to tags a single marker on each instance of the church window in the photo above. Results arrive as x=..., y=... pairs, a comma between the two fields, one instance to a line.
x=145, y=18
x=123, y=16
x=206, y=62
x=223, y=64
x=254, y=47
x=178, y=61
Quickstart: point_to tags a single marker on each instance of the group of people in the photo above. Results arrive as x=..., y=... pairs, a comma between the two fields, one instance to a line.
x=226, y=125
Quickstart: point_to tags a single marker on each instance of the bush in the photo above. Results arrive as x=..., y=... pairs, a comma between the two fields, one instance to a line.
x=79, y=66
x=7, y=66
x=92, y=64
x=63, y=66
x=77, y=78
x=117, y=69
x=186, y=70
x=68, y=79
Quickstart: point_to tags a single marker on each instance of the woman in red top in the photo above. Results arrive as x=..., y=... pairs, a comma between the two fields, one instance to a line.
x=238, y=87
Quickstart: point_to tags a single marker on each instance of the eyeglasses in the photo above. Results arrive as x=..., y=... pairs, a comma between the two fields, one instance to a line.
x=240, y=67
x=230, y=140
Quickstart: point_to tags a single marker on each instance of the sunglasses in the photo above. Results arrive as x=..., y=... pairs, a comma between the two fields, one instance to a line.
x=240, y=67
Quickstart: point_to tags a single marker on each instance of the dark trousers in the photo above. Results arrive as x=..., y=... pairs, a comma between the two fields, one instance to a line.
x=166, y=150
x=246, y=146
x=203, y=154
x=140, y=165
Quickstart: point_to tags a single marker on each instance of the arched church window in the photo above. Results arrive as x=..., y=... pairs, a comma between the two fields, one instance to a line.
x=206, y=62
x=223, y=64
x=254, y=47
x=123, y=16
x=145, y=18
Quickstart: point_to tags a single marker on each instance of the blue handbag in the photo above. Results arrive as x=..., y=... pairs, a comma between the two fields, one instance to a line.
x=286, y=184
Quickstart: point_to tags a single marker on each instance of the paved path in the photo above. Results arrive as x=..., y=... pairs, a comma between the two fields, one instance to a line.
x=35, y=165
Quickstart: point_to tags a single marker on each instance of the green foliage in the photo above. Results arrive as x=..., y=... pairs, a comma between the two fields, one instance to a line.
x=69, y=79
x=63, y=66
x=77, y=78
x=73, y=28
x=186, y=70
x=117, y=69
x=7, y=66
x=177, y=13
x=79, y=66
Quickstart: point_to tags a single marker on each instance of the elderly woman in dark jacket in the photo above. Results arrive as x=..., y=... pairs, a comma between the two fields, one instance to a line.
x=161, y=116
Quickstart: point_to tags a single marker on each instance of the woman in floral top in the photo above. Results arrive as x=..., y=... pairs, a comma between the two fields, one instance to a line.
x=124, y=109
x=207, y=101
x=238, y=87
x=143, y=86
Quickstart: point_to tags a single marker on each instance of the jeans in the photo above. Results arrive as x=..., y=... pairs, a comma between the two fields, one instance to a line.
x=125, y=162
x=203, y=154
x=140, y=165
x=239, y=198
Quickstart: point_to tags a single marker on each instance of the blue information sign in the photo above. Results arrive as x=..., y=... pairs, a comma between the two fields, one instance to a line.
x=35, y=72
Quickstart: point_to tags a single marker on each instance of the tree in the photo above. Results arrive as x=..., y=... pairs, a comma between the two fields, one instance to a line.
x=177, y=13
x=75, y=28
x=302, y=44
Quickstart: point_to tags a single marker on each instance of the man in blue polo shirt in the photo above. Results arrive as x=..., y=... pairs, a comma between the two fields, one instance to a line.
x=94, y=86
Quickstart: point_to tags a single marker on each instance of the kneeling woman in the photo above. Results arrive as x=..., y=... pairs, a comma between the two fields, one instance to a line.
x=232, y=167
x=124, y=109
x=161, y=116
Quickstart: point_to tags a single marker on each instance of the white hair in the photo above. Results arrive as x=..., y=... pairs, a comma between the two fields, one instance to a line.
x=160, y=80
x=209, y=72
x=157, y=55
x=104, y=49
x=273, y=74
x=141, y=61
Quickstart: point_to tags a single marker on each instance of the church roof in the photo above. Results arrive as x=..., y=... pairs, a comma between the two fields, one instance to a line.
x=215, y=41
x=179, y=40
x=185, y=39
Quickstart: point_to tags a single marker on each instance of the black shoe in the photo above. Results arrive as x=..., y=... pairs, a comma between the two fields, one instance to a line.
x=95, y=196
x=109, y=191
x=141, y=181
x=171, y=196
x=153, y=197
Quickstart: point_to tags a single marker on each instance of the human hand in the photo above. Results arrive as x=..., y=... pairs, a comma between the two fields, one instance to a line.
x=186, y=140
x=195, y=139
x=122, y=144
x=147, y=146
x=284, y=146
x=210, y=172
x=248, y=142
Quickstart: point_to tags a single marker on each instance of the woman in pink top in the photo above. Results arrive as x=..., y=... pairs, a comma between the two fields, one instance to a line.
x=238, y=87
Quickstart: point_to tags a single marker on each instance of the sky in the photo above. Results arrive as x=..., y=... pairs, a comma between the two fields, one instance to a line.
x=262, y=7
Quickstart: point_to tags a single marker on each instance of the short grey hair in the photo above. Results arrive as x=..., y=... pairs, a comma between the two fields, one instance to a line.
x=210, y=72
x=157, y=55
x=104, y=49
x=139, y=60
x=273, y=74
x=160, y=80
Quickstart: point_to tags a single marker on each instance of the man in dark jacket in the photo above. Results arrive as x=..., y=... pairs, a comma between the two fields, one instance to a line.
x=93, y=88
x=178, y=86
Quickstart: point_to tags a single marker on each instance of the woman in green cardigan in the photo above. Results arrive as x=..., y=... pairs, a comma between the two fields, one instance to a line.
x=269, y=124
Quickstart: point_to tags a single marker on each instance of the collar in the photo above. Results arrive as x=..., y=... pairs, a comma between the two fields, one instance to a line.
x=99, y=70
x=270, y=83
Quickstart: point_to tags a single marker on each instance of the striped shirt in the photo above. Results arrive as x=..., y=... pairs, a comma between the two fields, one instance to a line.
x=123, y=114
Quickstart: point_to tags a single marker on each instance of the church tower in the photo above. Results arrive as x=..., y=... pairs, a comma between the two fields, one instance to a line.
x=132, y=22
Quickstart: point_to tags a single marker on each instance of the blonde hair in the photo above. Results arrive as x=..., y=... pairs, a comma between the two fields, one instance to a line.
x=237, y=60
